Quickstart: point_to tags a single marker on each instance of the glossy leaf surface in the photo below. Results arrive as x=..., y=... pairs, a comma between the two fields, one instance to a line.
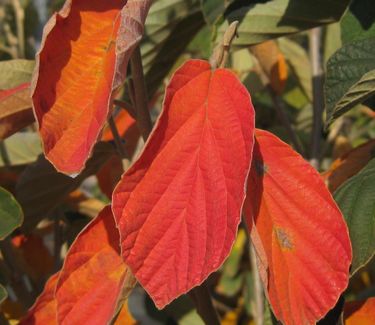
x=94, y=262
x=15, y=110
x=85, y=51
x=356, y=200
x=179, y=205
x=299, y=233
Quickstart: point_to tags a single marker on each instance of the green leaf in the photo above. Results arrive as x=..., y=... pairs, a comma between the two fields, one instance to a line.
x=276, y=18
x=22, y=148
x=350, y=77
x=11, y=215
x=356, y=201
x=3, y=293
x=359, y=22
x=213, y=9
x=170, y=26
x=15, y=72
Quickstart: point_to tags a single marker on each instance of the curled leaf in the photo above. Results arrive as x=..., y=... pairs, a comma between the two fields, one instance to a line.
x=85, y=51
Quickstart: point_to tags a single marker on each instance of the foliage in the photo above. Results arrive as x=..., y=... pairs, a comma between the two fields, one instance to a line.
x=124, y=201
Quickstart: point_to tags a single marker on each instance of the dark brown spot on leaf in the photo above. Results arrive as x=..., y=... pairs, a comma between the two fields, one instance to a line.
x=284, y=239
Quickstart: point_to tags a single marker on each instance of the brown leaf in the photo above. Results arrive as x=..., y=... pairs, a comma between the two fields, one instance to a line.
x=41, y=188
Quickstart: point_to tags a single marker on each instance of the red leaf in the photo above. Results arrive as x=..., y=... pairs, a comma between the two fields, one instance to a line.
x=44, y=309
x=360, y=312
x=93, y=276
x=15, y=110
x=178, y=207
x=85, y=51
x=299, y=233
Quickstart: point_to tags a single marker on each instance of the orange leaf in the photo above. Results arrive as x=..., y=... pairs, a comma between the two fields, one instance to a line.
x=178, y=207
x=15, y=110
x=85, y=51
x=44, y=309
x=349, y=165
x=360, y=312
x=298, y=231
x=94, y=263
x=273, y=64
x=125, y=317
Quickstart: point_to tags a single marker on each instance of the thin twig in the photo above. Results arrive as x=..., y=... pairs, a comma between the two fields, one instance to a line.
x=20, y=17
x=119, y=143
x=315, y=38
x=140, y=94
x=285, y=120
x=205, y=308
x=258, y=311
x=126, y=106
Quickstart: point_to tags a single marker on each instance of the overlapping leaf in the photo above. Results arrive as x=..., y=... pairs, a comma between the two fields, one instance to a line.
x=178, y=207
x=85, y=51
x=350, y=77
x=350, y=164
x=41, y=188
x=93, y=261
x=10, y=212
x=15, y=110
x=22, y=148
x=271, y=19
x=15, y=72
x=356, y=200
x=168, y=22
x=360, y=312
x=298, y=231
x=359, y=21
x=44, y=309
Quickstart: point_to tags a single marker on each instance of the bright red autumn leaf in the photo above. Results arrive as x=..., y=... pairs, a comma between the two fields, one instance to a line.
x=85, y=51
x=44, y=309
x=93, y=277
x=360, y=312
x=298, y=231
x=15, y=110
x=178, y=207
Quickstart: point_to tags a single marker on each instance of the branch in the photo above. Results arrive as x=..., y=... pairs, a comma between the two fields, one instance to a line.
x=140, y=94
x=258, y=311
x=315, y=38
x=20, y=17
x=119, y=143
